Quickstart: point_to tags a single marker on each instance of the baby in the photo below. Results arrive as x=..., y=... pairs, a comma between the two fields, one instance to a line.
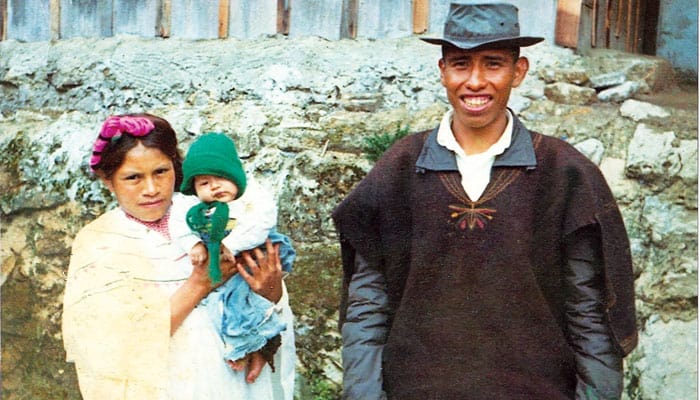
x=233, y=214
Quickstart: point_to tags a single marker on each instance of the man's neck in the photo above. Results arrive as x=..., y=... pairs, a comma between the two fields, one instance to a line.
x=478, y=140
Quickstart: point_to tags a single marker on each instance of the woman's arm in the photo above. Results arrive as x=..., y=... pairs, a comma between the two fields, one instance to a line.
x=184, y=300
x=195, y=288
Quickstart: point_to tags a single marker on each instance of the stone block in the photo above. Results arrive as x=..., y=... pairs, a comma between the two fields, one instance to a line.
x=651, y=156
x=568, y=93
x=592, y=148
x=668, y=367
x=518, y=103
x=621, y=92
x=639, y=110
x=657, y=72
x=688, y=152
x=607, y=80
x=573, y=75
x=613, y=170
x=531, y=88
x=665, y=220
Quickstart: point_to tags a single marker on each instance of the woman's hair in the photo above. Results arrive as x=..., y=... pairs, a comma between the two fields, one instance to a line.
x=162, y=137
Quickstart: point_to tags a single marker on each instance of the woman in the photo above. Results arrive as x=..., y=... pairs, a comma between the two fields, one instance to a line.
x=131, y=321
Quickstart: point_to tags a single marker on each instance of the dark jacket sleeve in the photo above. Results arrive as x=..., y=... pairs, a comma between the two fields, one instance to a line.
x=364, y=333
x=598, y=362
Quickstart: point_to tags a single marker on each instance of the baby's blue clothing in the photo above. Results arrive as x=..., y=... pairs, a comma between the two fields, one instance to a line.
x=244, y=319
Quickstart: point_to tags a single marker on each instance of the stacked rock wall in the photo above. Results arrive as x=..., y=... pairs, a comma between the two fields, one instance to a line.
x=299, y=110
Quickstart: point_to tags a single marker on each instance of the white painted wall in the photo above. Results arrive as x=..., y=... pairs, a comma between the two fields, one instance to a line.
x=677, y=35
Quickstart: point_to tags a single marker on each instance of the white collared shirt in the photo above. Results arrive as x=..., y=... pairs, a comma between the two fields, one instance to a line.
x=476, y=168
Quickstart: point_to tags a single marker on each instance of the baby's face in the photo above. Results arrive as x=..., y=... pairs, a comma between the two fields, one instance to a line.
x=215, y=188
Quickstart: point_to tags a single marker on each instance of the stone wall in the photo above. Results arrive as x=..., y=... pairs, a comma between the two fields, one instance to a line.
x=299, y=110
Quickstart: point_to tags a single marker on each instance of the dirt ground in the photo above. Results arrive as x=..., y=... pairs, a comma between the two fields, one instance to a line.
x=683, y=96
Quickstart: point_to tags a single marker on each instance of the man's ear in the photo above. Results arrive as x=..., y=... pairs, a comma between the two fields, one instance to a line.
x=441, y=66
x=522, y=65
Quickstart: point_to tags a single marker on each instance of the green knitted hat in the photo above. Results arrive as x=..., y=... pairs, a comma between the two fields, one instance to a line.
x=213, y=154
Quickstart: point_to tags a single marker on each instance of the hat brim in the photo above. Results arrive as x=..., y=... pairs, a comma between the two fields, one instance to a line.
x=518, y=41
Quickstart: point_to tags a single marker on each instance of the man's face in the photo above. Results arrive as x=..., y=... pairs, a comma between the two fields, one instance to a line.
x=478, y=85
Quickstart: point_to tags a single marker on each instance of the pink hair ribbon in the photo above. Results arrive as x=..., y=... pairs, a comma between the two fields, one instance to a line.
x=113, y=128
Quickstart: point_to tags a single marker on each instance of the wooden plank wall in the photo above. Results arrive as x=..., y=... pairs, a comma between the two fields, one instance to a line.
x=613, y=24
x=41, y=20
x=91, y=18
x=38, y=20
x=28, y=20
x=194, y=19
x=248, y=21
x=318, y=18
x=384, y=18
x=136, y=17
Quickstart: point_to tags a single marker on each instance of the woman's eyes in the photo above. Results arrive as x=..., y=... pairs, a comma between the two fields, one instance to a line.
x=134, y=177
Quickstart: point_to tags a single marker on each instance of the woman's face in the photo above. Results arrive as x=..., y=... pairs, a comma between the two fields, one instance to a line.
x=144, y=183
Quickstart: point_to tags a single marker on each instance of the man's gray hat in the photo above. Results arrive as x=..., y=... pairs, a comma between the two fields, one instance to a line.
x=494, y=25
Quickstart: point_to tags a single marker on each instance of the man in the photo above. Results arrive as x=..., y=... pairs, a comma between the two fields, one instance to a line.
x=482, y=260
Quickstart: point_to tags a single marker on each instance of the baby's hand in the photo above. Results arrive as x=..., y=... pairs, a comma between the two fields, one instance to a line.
x=226, y=254
x=198, y=254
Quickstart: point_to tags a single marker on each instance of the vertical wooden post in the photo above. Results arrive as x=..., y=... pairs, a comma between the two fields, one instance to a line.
x=618, y=24
x=421, y=12
x=348, y=21
x=608, y=22
x=594, y=23
x=283, y=17
x=567, y=26
x=629, y=26
x=223, y=18
x=164, y=18
x=3, y=19
x=55, y=19
x=637, y=28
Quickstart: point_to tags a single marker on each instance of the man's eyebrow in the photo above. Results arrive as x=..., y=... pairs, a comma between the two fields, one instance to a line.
x=488, y=57
x=496, y=57
x=457, y=57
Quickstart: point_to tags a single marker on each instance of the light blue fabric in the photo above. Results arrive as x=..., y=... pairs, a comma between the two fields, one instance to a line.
x=287, y=252
x=239, y=314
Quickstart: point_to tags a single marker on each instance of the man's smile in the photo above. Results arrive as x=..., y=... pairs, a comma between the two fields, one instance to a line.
x=476, y=103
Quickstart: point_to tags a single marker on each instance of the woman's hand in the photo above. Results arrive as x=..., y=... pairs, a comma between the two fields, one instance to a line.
x=200, y=273
x=195, y=288
x=265, y=277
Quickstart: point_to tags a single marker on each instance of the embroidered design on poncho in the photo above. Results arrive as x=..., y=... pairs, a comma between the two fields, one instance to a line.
x=471, y=214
